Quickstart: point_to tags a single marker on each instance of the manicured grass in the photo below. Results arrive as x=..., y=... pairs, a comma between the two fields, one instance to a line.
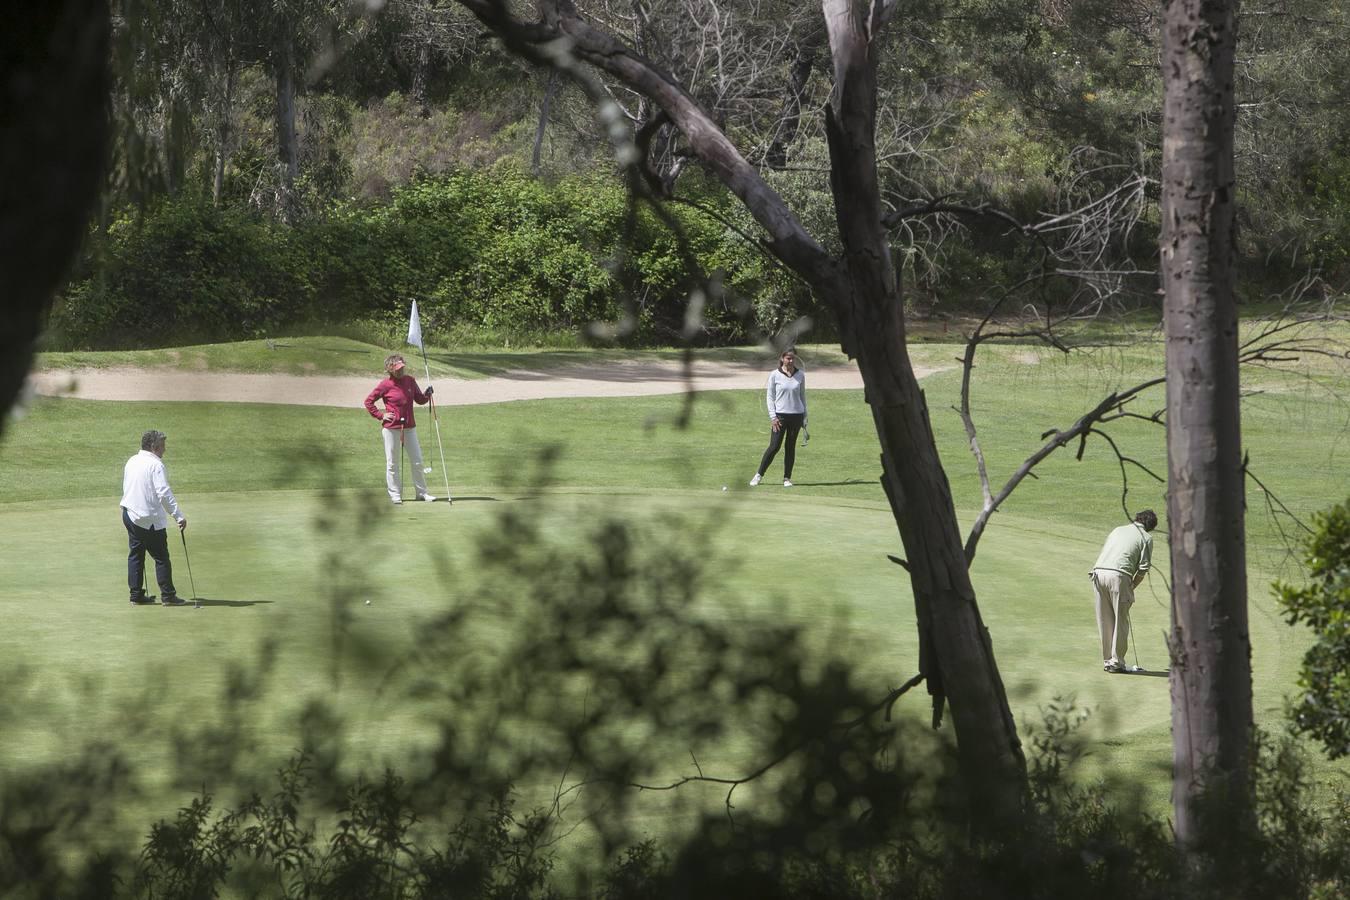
x=289, y=533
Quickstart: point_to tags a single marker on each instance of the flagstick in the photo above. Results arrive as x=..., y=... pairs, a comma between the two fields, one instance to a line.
x=415, y=338
x=436, y=420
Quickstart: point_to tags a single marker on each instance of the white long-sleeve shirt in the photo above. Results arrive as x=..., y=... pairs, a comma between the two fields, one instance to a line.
x=145, y=492
x=786, y=393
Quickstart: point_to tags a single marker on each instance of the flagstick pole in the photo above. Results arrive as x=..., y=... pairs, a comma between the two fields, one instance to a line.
x=436, y=420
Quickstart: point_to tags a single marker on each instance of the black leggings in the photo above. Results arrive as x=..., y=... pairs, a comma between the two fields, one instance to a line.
x=792, y=423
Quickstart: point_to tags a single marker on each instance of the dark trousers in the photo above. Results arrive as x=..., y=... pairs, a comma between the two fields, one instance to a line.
x=141, y=541
x=791, y=424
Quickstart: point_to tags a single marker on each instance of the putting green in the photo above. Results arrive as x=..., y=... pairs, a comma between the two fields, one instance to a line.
x=290, y=534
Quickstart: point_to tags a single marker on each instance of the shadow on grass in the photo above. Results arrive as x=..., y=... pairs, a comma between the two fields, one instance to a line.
x=845, y=483
x=209, y=601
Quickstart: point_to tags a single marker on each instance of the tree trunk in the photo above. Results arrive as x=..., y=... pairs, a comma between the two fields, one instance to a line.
x=421, y=74
x=222, y=135
x=956, y=653
x=539, y=130
x=1210, y=647
x=288, y=151
x=789, y=120
x=54, y=86
x=955, y=648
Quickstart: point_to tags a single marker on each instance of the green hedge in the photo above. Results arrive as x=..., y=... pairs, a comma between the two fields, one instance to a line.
x=492, y=249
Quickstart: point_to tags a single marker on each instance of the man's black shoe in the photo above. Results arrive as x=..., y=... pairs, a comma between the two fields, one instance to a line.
x=143, y=600
x=174, y=600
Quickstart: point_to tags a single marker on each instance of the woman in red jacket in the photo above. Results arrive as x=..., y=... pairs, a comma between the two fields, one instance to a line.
x=399, y=392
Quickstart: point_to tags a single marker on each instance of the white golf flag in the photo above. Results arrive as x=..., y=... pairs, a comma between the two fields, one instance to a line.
x=415, y=328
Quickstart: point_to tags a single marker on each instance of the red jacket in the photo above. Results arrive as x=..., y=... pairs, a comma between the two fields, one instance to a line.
x=398, y=394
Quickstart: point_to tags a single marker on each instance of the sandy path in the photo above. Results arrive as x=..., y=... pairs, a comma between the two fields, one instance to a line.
x=617, y=379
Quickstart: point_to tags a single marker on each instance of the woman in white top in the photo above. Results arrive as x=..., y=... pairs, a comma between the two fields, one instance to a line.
x=786, y=399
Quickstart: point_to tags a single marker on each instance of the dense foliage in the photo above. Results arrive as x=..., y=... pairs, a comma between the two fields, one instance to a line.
x=1037, y=108
x=1324, y=606
x=482, y=250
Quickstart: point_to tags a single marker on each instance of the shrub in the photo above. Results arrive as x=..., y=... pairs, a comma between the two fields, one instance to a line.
x=494, y=250
x=1324, y=605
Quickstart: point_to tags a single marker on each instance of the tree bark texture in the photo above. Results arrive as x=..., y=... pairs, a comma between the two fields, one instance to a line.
x=1210, y=646
x=864, y=291
x=54, y=87
x=957, y=655
x=789, y=120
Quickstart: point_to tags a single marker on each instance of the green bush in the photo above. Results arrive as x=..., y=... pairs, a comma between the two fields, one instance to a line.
x=493, y=250
x=1324, y=605
x=185, y=269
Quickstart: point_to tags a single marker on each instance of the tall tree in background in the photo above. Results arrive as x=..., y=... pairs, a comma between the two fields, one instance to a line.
x=286, y=52
x=863, y=287
x=1210, y=646
x=224, y=34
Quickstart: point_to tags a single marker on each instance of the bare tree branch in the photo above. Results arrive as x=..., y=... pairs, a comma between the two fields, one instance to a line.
x=885, y=703
x=1054, y=440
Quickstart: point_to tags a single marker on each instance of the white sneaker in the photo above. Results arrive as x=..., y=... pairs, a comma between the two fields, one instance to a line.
x=754, y=481
x=787, y=483
x=427, y=497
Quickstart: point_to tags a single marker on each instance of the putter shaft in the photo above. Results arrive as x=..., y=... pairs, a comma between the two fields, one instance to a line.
x=188, y=559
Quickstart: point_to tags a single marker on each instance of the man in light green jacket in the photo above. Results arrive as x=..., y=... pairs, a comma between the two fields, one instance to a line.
x=1124, y=561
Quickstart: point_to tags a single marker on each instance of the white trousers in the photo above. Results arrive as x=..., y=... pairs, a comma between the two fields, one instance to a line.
x=1115, y=596
x=407, y=437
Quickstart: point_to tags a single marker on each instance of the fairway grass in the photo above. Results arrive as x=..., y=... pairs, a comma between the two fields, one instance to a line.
x=290, y=534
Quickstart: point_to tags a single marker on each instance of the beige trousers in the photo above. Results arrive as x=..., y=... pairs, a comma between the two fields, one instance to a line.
x=1115, y=596
x=407, y=438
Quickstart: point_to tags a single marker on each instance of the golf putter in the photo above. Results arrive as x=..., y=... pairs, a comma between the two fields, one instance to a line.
x=196, y=601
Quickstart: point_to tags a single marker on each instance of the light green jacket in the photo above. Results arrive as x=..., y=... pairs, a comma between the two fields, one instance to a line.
x=1128, y=549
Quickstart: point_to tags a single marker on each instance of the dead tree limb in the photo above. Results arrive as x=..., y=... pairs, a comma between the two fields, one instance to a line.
x=885, y=703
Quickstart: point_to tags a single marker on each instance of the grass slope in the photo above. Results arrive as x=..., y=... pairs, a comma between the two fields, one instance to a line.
x=345, y=356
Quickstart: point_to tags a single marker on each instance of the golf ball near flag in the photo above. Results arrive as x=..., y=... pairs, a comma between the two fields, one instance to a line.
x=427, y=470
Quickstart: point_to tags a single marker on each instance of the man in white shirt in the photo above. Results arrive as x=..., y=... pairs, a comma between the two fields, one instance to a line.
x=146, y=498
